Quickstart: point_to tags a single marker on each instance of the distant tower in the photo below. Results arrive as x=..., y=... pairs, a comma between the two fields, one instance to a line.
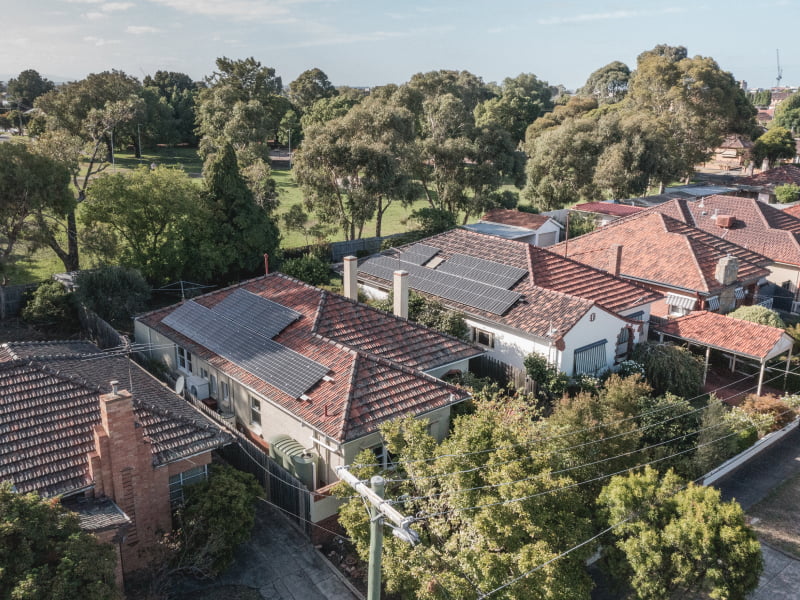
x=743, y=85
x=780, y=71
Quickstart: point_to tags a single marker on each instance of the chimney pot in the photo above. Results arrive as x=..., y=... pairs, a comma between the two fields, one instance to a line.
x=351, y=277
x=115, y=387
x=401, y=294
x=616, y=259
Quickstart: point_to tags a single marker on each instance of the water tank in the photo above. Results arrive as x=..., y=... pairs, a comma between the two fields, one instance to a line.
x=293, y=457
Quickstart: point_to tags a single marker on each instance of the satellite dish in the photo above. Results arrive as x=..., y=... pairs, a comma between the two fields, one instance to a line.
x=179, y=385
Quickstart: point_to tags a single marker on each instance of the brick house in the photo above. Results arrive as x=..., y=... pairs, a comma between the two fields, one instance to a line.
x=307, y=372
x=519, y=299
x=535, y=229
x=118, y=457
x=762, y=186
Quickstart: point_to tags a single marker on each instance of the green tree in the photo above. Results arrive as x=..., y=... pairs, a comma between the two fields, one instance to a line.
x=51, y=305
x=240, y=106
x=27, y=87
x=669, y=424
x=482, y=548
x=762, y=98
x=777, y=143
x=787, y=193
x=608, y=84
x=30, y=186
x=152, y=221
x=309, y=268
x=44, y=553
x=758, y=314
x=430, y=313
x=327, y=109
x=241, y=230
x=310, y=86
x=717, y=440
x=674, y=540
x=521, y=101
x=670, y=368
x=433, y=220
x=787, y=114
x=116, y=294
x=289, y=130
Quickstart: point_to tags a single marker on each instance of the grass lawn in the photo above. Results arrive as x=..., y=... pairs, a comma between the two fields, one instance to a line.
x=775, y=518
x=34, y=266
x=183, y=157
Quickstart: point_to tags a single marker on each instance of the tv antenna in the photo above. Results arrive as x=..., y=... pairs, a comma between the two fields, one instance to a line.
x=780, y=71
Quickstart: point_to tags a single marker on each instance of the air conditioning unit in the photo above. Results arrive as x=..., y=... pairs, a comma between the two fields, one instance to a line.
x=197, y=386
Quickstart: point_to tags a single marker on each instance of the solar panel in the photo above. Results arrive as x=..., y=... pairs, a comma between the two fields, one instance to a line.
x=485, y=271
x=419, y=254
x=451, y=287
x=263, y=316
x=270, y=361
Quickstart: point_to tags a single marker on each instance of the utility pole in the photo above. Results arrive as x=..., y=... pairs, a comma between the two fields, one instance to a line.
x=379, y=510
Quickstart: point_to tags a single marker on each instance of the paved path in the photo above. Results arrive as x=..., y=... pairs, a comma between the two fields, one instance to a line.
x=282, y=564
x=751, y=483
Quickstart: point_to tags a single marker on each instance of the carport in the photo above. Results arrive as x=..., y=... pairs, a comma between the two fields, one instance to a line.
x=760, y=343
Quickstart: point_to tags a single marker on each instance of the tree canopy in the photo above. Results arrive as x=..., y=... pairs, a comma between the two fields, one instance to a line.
x=758, y=314
x=775, y=144
x=27, y=87
x=310, y=86
x=608, y=84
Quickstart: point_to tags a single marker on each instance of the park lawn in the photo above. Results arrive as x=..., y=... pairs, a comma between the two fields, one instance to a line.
x=186, y=158
x=33, y=266
x=775, y=518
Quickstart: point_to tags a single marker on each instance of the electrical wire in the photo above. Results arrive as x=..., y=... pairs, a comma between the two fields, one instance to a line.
x=339, y=535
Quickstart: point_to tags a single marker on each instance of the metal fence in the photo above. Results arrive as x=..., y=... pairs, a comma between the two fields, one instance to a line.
x=336, y=251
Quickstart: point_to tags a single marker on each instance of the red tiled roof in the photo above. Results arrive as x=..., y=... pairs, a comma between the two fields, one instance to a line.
x=517, y=218
x=779, y=175
x=737, y=141
x=50, y=404
x=350, y=339
x=607, y=208
x=726, y=333
x=663, y=250
x=557, y=292
x=758, y=226
x=794, y=211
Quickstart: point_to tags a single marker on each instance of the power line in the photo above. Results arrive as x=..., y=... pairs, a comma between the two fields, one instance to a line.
x=288, y=512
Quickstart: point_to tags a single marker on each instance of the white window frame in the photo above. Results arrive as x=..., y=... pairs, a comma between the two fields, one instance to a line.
x=255, y=411
x=183, y=359
x=189, y=477
x=477, y=332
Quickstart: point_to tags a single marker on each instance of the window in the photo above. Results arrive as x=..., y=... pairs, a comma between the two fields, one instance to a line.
x=383, y=457
x=623, y=343
x=227, y=394
x=212, y=386
x=637, y=316
x=590, y=359
x=680, y=305
x=255, y=411
x=179, y=481
x=184, y=359
x=204, y=373
x=484, y=338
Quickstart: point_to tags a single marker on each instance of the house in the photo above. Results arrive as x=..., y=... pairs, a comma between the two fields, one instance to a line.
x=119, y=454
x=536, y=229
x=751, y=224
x=762, y=186
x=693, y=268
x=733, y=153
x=518, y=299
x=296, y=367
x=606, y=212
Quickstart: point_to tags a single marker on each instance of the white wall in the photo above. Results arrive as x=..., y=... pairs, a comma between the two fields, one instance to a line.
x=511, y=347
x=779, y=273
x=587, y=331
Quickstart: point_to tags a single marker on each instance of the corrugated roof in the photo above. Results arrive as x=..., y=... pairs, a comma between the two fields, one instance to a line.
x=516, y=218
x=607, y=208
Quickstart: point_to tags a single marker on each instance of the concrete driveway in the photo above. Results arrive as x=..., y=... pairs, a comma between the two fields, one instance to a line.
x=281, y=564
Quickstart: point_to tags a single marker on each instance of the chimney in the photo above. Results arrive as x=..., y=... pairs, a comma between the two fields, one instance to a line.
x=351, y=277
x=616, y=259
x=401, y=294
x=727, y=270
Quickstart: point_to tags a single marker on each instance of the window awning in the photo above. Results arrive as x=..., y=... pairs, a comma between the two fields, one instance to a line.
x=681, y=301
x=739, y=293
x=713, y=302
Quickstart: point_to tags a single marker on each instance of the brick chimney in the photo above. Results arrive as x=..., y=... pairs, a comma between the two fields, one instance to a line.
x=351, y=277
x=400, y=294
x=727, y=270
x=616, y=259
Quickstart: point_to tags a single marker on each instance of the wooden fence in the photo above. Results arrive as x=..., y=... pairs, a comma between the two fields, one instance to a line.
x=336, y=251
x=103, y=334
x=486, y=366
x=11, y=297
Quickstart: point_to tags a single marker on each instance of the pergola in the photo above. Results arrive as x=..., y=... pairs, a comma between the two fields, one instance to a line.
x=739, y=338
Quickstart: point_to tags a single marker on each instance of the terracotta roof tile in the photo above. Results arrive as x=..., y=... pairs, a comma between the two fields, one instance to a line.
x=779, y=175
x=517, y=218
x=727, y=333
x=661, y=248
x=50, y=404
x=607, y=208
x=342, y=335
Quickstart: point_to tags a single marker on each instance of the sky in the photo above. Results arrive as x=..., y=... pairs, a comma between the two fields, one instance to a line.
x=374, y=42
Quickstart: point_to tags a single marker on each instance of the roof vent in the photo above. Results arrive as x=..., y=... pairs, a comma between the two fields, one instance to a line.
x=726, y=221
x=305, y=398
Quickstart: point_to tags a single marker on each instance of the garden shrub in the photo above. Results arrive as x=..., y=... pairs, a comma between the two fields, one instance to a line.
x=50, y=304
x=309, y=268
x=781, y=414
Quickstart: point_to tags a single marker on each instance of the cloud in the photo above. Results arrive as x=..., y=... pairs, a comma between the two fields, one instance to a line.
x=337, y=39
x=95, y=16
x=607, y=16
x=116, y=6
x=83, y=1
x=274, y=11
x=142, y=29
x=99, y=41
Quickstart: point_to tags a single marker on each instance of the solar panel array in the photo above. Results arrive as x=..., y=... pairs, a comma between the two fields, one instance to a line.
x=250, y=310
x=485, y=271
x=465, y=291
x=270, y=361
x=419, y=254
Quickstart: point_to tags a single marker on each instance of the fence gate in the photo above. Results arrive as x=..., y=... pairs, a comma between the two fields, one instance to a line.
x=486, y=366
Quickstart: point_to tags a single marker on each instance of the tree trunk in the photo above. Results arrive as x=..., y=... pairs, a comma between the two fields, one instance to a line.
x=137, y=150
x=72, y=263
x=379, y=217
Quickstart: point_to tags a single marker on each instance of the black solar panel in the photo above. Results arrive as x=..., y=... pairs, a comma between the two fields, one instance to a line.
x=250, y=310
x=451, y=287
x=279, y=366
x=479, y=269
x=419, y=254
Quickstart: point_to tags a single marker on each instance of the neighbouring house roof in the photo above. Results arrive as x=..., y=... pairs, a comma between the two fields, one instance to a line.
x=607, y=208
x=729, y=334
x=517, y=218
x=663, y=250
x=509, y=232
x=552, y=292
x=50, y=405
x=757, y=226
x=737, y=141
x=779, y=175
x=373, y=362
x=97, y=514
